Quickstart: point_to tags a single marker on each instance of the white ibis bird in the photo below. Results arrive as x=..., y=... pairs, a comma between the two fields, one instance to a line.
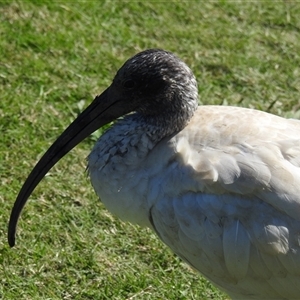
x=219, y=185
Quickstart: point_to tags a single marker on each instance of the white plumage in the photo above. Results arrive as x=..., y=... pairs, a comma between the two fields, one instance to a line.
x=219, y=185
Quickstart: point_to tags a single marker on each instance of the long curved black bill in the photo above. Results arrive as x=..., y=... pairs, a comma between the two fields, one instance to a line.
x=100, y=112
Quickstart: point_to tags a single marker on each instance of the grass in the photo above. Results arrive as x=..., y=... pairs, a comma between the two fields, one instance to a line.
x=54, y=58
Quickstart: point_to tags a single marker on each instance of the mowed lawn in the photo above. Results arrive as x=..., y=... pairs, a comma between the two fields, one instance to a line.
x=54, y=58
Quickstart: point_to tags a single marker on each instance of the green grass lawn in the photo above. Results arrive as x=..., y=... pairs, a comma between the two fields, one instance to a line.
x=54, y=58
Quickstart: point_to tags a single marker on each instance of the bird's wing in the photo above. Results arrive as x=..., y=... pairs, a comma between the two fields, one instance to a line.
x=231, y=205
x=243, y=152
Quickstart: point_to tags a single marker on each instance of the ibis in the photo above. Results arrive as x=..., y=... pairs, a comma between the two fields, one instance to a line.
x=219, y=185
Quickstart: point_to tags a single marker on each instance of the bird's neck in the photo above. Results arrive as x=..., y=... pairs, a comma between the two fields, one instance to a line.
x=118, y=162
x=155, y=128
x=115, y=166
x=129, y=139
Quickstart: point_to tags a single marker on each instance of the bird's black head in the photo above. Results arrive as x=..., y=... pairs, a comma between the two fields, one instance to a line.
x=157, y=82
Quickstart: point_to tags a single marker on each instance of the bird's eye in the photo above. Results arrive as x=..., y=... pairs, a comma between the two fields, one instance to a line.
x=129, y=84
